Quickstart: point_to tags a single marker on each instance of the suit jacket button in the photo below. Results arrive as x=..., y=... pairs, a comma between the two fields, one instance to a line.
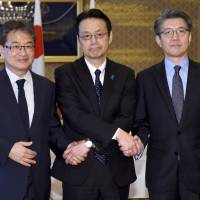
x=179, y=132
x=177, y=154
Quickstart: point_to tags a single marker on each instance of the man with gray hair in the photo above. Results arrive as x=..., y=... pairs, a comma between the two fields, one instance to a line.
x=168, y=113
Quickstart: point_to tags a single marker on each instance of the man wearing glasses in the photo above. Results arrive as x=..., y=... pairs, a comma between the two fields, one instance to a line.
x=96, y=97
x=168, y=113
x=28, y=125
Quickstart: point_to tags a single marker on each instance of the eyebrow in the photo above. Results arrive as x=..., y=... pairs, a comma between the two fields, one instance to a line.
x=96, y=31
x=175, y=28
x=15, y=42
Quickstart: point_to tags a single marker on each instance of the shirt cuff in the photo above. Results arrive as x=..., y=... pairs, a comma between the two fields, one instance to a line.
x=115, y=135
x=138, y=156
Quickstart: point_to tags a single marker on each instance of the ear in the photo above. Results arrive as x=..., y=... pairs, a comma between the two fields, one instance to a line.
x=110, y=38
x=190, y=37
x=2, y=51
x=79, y=41
x=158, y=40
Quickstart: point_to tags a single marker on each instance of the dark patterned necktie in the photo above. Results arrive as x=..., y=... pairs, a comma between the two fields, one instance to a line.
x=22, y=103
x=23, y=108
x=98, y=85
x=177, y=93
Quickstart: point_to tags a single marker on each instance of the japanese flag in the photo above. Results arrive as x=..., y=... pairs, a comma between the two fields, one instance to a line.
x=38, y=64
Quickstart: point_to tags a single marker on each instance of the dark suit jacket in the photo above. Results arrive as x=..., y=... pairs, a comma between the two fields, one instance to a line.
x=77, y=101
x=44, y=131
x=155, y=116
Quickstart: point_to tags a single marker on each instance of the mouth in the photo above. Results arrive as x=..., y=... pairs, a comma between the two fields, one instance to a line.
x=23, y=60
x=94, y=48
x=175, y=45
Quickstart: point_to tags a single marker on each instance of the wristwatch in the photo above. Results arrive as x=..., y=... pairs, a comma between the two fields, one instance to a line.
x=88, y=144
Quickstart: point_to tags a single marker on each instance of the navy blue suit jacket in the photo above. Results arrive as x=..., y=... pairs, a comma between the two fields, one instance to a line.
x=44, y=132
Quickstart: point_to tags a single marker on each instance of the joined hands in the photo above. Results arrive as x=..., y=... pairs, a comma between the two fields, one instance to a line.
x=128, y=144
x=75, y=153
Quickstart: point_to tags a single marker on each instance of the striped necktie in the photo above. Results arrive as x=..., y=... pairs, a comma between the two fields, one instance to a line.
x=177, y=93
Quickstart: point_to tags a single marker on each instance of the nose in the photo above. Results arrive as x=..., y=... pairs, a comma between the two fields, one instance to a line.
x=23, y=50
x=175, y=35
x=93, y=38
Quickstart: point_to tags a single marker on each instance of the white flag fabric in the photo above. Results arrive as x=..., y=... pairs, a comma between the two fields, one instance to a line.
x=92, y=4
x=38, y=64
x=138, y=188
x=38, y=67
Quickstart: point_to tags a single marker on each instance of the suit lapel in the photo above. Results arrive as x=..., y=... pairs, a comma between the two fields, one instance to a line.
x=161, y=79
x=86, y=82
x=10, y=101
x=38, y=99
x=192, y=84
x=109, y=84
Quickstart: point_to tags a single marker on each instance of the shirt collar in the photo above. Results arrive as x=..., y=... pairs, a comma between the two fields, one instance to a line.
x=169, y=65
x=92, y=68
x=13, y=77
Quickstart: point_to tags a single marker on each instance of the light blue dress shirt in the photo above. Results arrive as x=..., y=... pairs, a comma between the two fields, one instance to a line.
x=169, y=68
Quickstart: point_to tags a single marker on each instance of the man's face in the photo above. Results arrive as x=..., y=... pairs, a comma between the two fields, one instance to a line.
x=94, y=38
x=18, y=52
x=174, y=38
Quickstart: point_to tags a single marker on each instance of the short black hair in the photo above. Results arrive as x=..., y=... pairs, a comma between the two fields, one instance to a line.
x=16, y=25
x=93, y=13
x=171, y=14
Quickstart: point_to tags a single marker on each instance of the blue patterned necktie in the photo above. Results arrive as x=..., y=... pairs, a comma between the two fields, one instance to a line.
x=22, y=103
x=98, y=85
x=177, y=93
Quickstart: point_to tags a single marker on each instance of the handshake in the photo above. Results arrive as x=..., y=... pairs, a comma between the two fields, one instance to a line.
x=128, y=144
x=77, y=152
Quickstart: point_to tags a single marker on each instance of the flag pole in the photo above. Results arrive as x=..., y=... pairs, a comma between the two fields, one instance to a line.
x=92, y=4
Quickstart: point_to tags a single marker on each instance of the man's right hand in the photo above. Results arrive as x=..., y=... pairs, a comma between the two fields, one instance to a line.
x=21, y=153
x=129, y=145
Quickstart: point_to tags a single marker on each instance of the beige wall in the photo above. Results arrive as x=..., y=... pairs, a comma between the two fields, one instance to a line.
x=132, y=20
x=133, y=42
x=133, y=37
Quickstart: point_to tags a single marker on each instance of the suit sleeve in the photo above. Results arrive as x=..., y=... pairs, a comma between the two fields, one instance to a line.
x=89, y=124
x=141, y=123
x=5, y=148
x=57, y=139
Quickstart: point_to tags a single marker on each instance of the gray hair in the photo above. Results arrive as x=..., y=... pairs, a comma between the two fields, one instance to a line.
x=171, y=14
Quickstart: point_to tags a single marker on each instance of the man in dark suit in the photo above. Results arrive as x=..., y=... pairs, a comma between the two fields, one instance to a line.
x=28, y=125
x=96, y=97
x=168, y=113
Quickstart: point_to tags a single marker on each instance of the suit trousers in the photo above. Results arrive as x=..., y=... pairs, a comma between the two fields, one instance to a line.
x=30, y=192
x=98, y=186
x=179, y=193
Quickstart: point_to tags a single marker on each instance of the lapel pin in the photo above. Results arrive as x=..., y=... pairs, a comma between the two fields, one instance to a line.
x=112, y=77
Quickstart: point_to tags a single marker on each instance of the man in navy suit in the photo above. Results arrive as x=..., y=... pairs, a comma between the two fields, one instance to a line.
x=28, y=125
x=96, y=97
x=168, y=113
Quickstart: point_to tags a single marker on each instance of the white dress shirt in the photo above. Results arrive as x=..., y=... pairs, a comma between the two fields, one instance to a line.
x=92, y=70
x=28, y=89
